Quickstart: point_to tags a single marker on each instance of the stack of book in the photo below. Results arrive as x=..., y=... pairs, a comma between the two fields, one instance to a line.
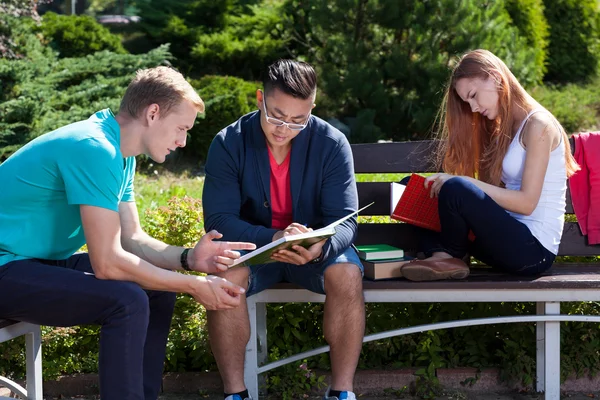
x=382, y=261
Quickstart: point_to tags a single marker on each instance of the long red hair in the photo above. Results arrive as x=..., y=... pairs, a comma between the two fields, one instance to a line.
x=471, y=144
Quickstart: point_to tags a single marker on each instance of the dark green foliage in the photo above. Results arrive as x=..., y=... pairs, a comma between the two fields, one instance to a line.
x=245, y=46
x=47, y=93
x=232, y=37
x=226, y=99
x=383, y=65
x=574, y=36
x=16, y=38
x=179, y=22
x=528, y=17
x=77, y=36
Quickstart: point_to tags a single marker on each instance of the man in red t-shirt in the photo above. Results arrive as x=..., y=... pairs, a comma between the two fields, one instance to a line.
x=280, y=171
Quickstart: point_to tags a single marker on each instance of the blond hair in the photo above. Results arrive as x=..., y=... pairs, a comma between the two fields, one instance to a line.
x=160, y=85
x=471, y=144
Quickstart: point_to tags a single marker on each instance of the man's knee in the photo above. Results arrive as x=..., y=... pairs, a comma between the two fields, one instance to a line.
x=238, y=276
x=343, y=279
x=130, y=299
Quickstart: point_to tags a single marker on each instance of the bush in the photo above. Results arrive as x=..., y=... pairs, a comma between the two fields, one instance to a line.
x=247, y=44
x=574, y=36
x=78, y=36
x=180, y=224
x=383, y=65
x=559, y=100
x=47, y=93
x=226, y=99
x=528, y=16
x=227, y=37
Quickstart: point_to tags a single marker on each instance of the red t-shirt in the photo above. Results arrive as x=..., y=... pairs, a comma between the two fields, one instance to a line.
x=281, y=193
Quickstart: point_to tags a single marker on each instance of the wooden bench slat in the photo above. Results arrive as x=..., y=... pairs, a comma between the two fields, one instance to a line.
x=395, y=234
x=560, y=276
x=393, y=157
x=398, y=157
x=573, y=243
x=6, y=322
x=379, y=192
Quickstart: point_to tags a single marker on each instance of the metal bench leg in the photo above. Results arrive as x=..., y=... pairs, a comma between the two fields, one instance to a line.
x=540, y=348
x=263, y=350
x=251, y=359
x=33, y=343
x=552, y=353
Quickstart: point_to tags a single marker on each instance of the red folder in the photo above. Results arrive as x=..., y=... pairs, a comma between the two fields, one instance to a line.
x=416, y=207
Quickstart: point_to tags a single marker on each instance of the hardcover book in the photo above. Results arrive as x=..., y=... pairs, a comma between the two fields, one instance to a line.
x=379, y=252
x=385, y=269
x=416, y=207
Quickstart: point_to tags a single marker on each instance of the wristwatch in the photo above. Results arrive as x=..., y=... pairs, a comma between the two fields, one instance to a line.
x=184, y=259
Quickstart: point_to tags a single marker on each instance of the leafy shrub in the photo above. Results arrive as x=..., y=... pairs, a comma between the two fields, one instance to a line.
x=227, y=99
x=179, y=223
x=248, y=43
x=227, y=37
x=77, y=36
x=528, y=16
x=47, y=93
x=574, y=36
x=560, y=100
x=295, y=382
x=383, y=65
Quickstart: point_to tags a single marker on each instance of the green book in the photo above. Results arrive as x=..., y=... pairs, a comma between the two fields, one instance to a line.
x=371, y=252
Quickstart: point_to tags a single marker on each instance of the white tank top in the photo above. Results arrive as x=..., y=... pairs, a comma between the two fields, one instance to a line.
x=547, y=220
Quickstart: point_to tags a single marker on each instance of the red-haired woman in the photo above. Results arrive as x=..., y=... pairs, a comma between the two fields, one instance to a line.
x=506, y=161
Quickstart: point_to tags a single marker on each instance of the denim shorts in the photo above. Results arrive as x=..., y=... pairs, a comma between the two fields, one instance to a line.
x=308, y=276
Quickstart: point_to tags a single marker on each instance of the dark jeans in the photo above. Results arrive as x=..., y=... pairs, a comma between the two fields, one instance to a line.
x=500, y=240
x=134, y=323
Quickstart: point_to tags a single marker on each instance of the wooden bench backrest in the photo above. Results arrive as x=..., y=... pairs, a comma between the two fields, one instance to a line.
x=408, y=157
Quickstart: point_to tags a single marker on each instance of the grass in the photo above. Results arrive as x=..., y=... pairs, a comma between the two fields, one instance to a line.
x=576, y=106
x=154, y=190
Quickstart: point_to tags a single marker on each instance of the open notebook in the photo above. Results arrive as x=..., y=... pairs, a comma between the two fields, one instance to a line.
x=262, y=255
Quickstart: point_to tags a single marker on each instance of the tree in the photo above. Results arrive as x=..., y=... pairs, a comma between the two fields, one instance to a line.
x=383, y=64
x=574, y=39
x=225, y=37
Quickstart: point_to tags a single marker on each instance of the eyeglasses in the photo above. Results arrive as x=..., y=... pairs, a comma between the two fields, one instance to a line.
x=278, y=122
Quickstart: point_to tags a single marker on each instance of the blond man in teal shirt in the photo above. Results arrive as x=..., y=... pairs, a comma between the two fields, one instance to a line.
x=74, y=186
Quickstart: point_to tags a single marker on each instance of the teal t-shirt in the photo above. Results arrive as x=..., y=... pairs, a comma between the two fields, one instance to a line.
x=44, y=183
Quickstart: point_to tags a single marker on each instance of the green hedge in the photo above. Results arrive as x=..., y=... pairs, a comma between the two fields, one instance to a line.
x=78, y=36
x=45, y=93
x=528, y=16
x=574, y=37
x=226, y=99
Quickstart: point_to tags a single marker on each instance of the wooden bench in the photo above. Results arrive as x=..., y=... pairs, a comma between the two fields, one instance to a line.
x=33, y=343
x=562, y=283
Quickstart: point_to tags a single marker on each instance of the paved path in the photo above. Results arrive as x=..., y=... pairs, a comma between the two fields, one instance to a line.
x=451, y=396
